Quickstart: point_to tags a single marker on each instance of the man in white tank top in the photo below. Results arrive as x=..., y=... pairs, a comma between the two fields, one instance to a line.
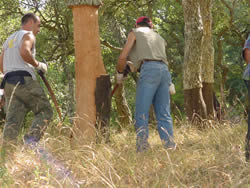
x=22, y=92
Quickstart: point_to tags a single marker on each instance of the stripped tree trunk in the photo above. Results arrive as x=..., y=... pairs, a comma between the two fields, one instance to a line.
x=192, y=81
x=124, y=113
x=71, y=91
x=207, y=57
x=88, y=67
x=224, y=71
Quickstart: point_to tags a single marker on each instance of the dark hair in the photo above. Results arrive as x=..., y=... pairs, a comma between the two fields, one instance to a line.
x=28, y=17
x=144, y=24
x=144, y=21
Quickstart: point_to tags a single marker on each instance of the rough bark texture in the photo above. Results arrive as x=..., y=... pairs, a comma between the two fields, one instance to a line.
x=193, y=41
x=195, y=106
x=207, y=50
x=207, y=57
x=84, y=2
x=192, y=80
x=223, y=76
x=123, y=111
x=217, y=107
x=103, y=107
x=88, y=67
x=71, y=92
x=208, y=96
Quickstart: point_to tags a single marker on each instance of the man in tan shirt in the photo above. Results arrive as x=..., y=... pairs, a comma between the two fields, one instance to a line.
x=146, y=49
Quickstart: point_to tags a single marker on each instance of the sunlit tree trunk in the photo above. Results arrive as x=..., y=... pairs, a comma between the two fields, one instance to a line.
x=123, y=111
x=70, y=108
x=207, y=57
x=88, y=67
x=223, y=73
x=192, y=76
x=150, y=9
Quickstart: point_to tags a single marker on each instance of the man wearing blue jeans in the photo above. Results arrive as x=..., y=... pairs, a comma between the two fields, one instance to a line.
x=146, y=49
x=246, y=77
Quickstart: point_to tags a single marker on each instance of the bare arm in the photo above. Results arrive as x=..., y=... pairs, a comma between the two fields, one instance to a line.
x=25, y=50
x=124, y=54
x=1, y=61
x=247, y=55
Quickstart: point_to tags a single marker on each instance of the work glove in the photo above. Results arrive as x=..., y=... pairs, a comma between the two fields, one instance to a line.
x=42, y=67
x=120, y=77
x=172, y=89
x=1, y=94
x=131, y=66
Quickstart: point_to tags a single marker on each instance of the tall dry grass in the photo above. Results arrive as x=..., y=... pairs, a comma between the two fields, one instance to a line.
x=212, y=157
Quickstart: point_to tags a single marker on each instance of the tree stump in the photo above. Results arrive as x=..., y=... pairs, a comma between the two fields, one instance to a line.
x=103, y=107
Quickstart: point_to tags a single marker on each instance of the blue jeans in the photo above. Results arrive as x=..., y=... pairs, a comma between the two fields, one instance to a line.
x=153, y=88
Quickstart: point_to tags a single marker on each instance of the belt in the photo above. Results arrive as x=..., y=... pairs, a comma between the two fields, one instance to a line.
x=147, y=60
x=14, y=77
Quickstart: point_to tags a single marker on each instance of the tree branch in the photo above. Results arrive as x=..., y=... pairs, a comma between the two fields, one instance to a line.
x=107, y=44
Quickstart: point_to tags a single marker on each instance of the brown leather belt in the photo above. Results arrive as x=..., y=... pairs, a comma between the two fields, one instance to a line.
x=147, y=60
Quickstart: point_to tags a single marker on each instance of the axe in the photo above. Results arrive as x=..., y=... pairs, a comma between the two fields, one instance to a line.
x=129, y=68
x=53, y=97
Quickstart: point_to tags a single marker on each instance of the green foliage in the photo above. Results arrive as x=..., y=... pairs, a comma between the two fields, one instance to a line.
x=230, y=25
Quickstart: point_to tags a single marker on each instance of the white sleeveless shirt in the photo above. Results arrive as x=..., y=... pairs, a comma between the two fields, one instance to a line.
x=12, y=60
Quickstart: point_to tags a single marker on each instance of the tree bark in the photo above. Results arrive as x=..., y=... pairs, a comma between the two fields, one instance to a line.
x=103, y=107
x=192, y=81
x=223, y=75
x=207, y=57
x=70, y=109
x=84, y=2
x=195, y=106
x=123, y=111
x=150, y=9
x=208, y=96
x=88, y=67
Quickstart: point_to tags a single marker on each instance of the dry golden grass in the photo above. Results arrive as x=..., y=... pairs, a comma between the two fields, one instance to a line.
x=212, y=157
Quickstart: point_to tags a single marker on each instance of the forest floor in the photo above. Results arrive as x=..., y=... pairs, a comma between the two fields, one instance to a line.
x=211, y=157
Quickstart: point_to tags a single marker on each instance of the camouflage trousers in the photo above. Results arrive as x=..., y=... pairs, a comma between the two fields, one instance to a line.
x=20, y=99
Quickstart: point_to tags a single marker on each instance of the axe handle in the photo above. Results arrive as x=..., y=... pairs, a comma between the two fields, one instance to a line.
x=51, y=93
x=125, y=74
x=113, y=91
